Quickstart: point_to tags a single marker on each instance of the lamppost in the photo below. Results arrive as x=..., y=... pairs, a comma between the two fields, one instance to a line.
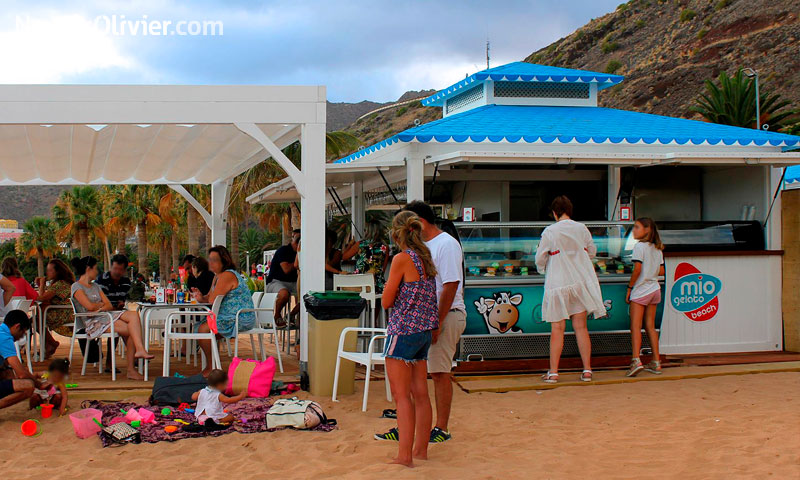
x=750, y=73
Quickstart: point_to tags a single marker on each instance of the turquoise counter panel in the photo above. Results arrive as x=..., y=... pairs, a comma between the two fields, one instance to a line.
x=522, y=306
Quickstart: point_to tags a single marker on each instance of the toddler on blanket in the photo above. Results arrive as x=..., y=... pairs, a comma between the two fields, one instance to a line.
x=210, y=399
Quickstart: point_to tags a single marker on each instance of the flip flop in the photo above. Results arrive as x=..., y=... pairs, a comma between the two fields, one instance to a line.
x=389, y=413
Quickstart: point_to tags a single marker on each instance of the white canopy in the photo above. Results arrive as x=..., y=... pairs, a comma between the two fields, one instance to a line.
x=169, y=134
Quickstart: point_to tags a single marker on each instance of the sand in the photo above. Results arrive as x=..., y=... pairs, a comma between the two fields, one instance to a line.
x=745, y=426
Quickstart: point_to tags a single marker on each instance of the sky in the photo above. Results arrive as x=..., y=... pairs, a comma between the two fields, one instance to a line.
x=361, y=50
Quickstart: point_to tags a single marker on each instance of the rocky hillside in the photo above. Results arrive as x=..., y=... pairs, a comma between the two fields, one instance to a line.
x=667, y=49
x=380, y=125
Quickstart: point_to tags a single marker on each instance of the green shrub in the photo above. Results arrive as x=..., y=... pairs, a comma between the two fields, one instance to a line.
x=622, y=7
x=401, y=111
x=639, y=23
x=702, y=33
x=687, y=15
x=722, y=4
x=613, y=65
x=608, y=47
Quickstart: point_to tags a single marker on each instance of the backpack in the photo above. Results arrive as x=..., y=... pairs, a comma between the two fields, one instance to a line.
x=294, y=413
x=175, y=390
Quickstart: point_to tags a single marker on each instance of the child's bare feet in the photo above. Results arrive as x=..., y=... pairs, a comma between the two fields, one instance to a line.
x=399, y=461
x=420, y=455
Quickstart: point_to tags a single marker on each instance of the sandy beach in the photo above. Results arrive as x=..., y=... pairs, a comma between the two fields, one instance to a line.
x=742, y=426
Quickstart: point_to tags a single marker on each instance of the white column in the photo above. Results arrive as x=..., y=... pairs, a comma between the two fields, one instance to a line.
x=312, y=222
x=357, y=207
x=415, y=176
x=773, y=227
x=220, y=193
x=613, y=191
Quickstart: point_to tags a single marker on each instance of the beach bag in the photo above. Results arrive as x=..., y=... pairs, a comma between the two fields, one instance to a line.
x=252, y=375
x=121, y=433
x=175, y=390
x=299, y=414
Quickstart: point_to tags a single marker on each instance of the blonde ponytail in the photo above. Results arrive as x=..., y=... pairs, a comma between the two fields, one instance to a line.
x=407, y=233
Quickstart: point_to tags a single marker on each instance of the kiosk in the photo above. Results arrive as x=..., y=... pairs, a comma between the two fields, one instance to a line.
x=515, y=136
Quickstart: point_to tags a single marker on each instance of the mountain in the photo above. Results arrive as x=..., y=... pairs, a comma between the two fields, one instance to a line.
x=667, y=49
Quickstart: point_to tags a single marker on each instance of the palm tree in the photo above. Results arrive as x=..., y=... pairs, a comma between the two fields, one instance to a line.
x=733, y=102
x=80, y=208
x=39, y=239
x=171, y=210
x=142, y=198
x=120, y=212
x=194, y=222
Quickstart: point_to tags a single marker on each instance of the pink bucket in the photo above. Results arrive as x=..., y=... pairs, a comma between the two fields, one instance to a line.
x=132, y=415
x=83, y=422
x=147, y=416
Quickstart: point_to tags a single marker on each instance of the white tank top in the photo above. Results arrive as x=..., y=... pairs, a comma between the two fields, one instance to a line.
x=208, y=404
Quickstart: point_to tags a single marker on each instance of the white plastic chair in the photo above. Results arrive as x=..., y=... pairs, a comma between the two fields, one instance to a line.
x=170, y=335
x=368, y=359
x=109, y=334
x=21, y=303
x=366, y=283
x=43, y=325
x=265, y=323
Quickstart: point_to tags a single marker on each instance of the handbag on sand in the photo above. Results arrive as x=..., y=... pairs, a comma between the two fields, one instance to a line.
x=299, y=414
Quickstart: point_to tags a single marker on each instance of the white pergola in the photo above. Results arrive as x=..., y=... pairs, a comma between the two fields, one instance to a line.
x=171, y=135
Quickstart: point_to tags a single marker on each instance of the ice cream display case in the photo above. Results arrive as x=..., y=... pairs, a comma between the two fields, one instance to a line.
x=503, y=291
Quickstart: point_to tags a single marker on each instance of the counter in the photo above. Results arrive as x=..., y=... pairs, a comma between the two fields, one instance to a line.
x=722, y=301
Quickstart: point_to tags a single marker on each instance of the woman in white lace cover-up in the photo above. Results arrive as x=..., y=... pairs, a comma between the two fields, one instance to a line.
x=571, y=289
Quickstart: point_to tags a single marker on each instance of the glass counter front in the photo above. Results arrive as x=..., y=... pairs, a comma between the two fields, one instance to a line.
x=507, y=251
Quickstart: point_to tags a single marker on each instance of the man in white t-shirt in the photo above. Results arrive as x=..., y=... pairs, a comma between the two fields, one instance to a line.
x=448, y=259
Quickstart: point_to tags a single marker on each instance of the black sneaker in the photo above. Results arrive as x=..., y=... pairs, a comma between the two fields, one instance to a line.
x=392, y=435
x=439, y=436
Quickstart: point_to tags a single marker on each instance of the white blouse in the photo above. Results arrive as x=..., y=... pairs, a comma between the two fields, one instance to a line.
x=564, y=255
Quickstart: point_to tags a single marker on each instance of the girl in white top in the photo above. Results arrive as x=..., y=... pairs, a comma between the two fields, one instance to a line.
x=644, y=292
x=571, y=289
x=210, y=400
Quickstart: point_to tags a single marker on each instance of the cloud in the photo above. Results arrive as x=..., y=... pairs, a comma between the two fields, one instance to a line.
x=373, y=50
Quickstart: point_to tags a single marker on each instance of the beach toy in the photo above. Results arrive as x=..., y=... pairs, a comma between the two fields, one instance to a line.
x=132, y=415
x=178, y=375
x=147, y=416
x=211, y=321
x=170, y=429
x=243, y=420
x=30, y=428
x=182, y=407
x=136, y=423
x=71, y=385
x=182, y=421
x=47, y=410
x=86, y=422
x=166, y=411
x=189, y=410
x=284, y=392
x=116, y=420
x=293, y=387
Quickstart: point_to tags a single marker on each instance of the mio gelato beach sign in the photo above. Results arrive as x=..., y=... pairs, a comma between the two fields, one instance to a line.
x=695, y=294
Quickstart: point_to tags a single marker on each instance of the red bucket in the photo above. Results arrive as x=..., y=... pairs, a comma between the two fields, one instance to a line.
x=47, y=410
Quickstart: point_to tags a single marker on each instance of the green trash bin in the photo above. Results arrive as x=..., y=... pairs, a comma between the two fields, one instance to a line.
x=329, y=313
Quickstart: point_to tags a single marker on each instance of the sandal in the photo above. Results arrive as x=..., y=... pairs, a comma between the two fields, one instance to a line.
x=550, y=377
x=654, y=367
x=584, y=377
x=389, y=413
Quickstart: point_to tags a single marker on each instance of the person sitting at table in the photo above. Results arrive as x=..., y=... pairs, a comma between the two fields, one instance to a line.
x=282, y=277
x=10, y=270
x=54, y=289
x=201, y=278
x=89, y=297
x=232, y=286
x=114, y=283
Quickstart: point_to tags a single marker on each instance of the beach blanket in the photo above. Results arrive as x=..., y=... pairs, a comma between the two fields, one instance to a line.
x=251, y=410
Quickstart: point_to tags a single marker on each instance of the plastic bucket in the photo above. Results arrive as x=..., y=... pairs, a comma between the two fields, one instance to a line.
x=132, y=415
x=47, y=410
x=147, y=416
x=30, y=428
x=83, y=422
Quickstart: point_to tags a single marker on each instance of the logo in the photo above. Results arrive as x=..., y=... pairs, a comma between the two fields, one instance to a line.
x=694, y=293
x=500, y=313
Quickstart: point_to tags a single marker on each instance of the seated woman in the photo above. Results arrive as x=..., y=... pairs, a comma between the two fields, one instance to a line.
x=90, y=298
x=235, y=296
x=10, y=270
x=201, y=278
x=54, y=289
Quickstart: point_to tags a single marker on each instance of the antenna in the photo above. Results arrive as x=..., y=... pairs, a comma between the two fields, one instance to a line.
x=487, y=52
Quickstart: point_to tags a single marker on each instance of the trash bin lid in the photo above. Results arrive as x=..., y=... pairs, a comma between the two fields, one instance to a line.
x=335, y=295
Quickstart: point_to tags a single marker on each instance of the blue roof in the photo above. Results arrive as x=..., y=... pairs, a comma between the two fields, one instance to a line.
x=524, y=72
x=792, y=174
x=548, y=124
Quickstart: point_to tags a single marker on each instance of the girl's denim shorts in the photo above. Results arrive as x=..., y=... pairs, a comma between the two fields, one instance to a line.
x=409, y=348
